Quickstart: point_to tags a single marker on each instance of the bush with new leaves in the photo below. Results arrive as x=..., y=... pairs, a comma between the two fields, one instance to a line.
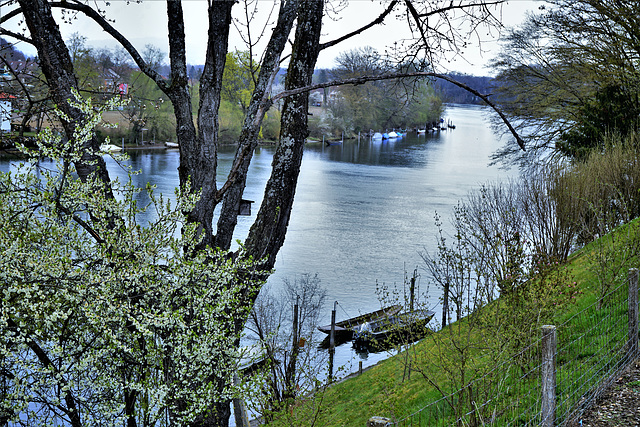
x=105, y=319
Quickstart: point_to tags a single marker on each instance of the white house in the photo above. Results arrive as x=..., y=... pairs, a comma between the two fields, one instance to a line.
x=5, y=111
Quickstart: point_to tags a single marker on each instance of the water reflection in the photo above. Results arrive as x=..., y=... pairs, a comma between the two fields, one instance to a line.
x=404, y=152
x=363, y=209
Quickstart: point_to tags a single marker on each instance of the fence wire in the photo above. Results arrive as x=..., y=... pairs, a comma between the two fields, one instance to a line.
x=591, y=352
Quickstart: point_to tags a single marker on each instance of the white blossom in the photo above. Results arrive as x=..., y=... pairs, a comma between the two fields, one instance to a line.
x=96, y=306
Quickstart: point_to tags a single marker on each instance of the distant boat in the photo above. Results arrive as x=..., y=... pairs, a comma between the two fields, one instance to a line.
x=345, y=329
x=377, y=135
x=252, y=357
x=171, y=144
x=110, y=148
x=421, y=131
x=393, y=134
x=385, y=136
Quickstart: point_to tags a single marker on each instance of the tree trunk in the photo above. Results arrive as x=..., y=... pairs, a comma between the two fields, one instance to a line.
x=266, y=236
x=198, y=153
x=56, y=65
x=248, y=140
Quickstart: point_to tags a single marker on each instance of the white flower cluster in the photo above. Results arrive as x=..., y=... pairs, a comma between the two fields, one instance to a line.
x=102, y=318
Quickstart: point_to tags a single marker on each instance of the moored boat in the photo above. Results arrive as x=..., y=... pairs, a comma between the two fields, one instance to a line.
x=110, y=148
x=345, y=329
x=333, y=142
x=407, y=324
x=252, y=357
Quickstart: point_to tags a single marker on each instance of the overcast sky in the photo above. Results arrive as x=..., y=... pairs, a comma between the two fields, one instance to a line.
x=145, y=23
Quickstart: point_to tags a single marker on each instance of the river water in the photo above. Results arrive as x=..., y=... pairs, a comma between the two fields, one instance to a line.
x=364, y=210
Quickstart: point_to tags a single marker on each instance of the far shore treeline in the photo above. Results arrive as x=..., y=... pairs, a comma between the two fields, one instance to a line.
x=148, y=117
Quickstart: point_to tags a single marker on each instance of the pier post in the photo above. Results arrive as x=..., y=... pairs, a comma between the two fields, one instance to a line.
x=412, y=289
x=332, y=335
x=240, y=408
x=332, y=340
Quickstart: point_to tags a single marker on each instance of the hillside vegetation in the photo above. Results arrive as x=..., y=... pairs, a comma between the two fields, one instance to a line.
x=505, y=284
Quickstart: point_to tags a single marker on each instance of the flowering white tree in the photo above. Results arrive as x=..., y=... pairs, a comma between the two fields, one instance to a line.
x=435, y=26
x=103, y=324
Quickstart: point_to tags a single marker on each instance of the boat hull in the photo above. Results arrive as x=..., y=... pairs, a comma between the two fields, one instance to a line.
x=398, y=328
x=345, y=329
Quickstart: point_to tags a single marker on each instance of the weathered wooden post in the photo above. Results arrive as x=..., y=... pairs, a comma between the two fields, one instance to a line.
x=332, y=334
x=549, y=348
x=633, y=312
x=412, y=289
x=290, y=372
x=332, y=341
x=445, y=303
x=296, y=339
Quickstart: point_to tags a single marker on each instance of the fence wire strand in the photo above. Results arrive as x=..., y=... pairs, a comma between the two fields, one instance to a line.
x=592, y=351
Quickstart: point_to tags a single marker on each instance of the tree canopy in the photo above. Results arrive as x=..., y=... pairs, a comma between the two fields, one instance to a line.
x=102, y=325
x=569, y=75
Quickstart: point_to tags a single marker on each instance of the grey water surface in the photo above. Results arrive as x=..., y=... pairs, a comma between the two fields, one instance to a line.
x=364, y=210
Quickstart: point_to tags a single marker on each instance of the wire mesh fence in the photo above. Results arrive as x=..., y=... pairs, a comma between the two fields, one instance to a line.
x=592, y=350
x=593, y=347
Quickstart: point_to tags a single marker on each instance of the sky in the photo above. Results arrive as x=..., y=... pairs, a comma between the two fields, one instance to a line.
x=145, y=23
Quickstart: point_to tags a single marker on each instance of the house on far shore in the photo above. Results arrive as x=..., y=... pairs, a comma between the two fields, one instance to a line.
x=5, y=111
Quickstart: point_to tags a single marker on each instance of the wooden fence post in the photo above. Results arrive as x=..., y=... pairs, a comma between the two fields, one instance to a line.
x=633, y=312
x=332, y=341
x=549, y=349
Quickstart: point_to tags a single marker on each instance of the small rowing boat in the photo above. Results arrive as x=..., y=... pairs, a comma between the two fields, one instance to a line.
x=345, y=329
x=411, y=324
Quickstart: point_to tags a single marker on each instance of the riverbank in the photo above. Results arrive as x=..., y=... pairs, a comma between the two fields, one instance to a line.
x=421, y=385
x=158, y=146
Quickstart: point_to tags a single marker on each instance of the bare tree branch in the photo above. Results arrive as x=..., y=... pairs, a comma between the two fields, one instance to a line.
x=379, y=20
x=109, y=29
x=461, y=6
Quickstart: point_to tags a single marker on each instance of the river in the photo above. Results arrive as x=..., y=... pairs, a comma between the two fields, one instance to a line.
x=363, y=210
